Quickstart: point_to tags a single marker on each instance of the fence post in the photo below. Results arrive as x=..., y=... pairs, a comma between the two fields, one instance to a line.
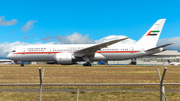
x=78, y=94
x=41, y=79
x=162, y=90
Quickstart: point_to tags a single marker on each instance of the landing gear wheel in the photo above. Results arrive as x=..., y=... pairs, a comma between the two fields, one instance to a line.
x=87, y=64
x=84, y=64
x=22, y=65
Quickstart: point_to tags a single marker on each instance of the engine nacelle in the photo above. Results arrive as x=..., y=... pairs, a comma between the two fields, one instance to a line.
x=64, y=58
x=161, y=49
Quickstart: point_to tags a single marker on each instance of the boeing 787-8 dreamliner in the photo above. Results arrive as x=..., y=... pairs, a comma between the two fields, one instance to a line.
x=72, y=53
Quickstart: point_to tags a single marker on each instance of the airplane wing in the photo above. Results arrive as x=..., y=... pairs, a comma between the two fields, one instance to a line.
x=159, y=47
x=90, y=51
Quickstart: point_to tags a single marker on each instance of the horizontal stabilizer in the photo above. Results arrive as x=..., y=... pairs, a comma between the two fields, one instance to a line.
x=159, y=47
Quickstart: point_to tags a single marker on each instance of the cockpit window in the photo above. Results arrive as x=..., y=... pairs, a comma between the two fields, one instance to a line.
x=13, y=51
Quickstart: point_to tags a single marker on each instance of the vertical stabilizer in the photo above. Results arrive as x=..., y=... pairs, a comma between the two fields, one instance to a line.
x=150, y=38
x=169, y=61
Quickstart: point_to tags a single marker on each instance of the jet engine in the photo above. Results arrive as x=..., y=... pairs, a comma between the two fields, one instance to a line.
x=64, y=58
x=161, y=49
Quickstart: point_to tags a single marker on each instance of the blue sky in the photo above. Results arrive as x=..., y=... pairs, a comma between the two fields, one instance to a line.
x=46, y=21
x=97, y=18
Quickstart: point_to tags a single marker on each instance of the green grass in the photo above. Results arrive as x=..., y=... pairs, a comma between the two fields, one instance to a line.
x=94, y=74
x=89, y=96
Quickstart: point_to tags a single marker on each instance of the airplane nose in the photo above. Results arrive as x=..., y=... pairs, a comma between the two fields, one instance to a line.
x=9, y=56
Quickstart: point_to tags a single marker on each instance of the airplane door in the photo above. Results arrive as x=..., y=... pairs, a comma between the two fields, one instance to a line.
x=131, y=49
x=49, y=50
x=23, y=51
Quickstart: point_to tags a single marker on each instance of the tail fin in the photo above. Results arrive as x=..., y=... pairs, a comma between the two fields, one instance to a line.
x=169, y=61
x=150, y=38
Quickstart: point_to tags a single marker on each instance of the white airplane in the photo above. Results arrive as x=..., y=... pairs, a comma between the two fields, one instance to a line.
x=173, y=63
x=72, y=53
x=6, y=63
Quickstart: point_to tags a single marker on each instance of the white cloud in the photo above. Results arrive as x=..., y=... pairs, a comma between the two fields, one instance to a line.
x=174, y=40
x=6, y=47
x=3, y=22
x=28, y=25
x=25, y=37
x=75, y=38
x=114, y=37
x=47, y=39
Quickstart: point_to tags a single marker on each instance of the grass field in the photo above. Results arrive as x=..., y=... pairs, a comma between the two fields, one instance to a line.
x=94, y=74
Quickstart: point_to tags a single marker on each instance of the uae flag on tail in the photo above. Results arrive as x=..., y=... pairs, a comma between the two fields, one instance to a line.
x=152, y=33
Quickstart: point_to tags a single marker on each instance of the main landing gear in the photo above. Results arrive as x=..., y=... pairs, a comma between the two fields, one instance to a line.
x=86, y=59
x=22, y=65
x=87, y=64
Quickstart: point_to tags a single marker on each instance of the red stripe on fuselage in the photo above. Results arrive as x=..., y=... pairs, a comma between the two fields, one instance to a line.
x=36, y=52
x=71, y=52
x=117, y=51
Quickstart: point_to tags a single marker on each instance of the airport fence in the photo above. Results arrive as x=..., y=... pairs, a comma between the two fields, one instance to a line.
x=89, y=91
